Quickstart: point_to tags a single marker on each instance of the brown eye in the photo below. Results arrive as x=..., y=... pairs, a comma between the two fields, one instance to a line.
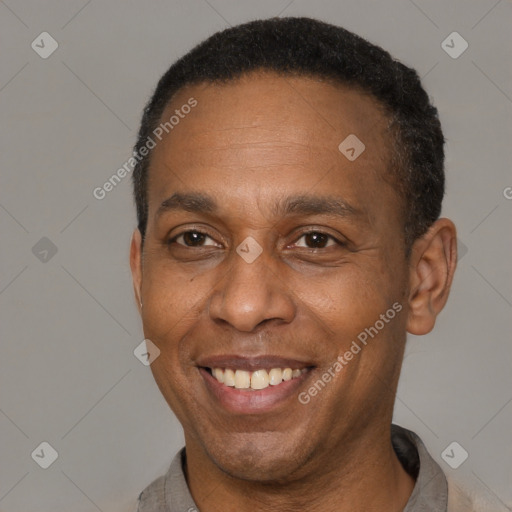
x=193, y=239
x=315, y=240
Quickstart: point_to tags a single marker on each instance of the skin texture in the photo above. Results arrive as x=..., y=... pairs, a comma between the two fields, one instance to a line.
x=249, y=145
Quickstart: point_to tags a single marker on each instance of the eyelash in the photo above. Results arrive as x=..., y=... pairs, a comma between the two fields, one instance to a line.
x=306, y=233
x=183, y=233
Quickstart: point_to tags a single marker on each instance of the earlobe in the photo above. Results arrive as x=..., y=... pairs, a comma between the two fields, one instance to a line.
x=136, y=266
x=432, y=265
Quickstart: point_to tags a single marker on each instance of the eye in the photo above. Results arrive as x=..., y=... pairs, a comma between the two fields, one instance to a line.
x=193, y=238
x=316, y=240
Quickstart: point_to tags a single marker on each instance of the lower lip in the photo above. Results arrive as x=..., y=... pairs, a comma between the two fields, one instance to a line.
x=247, y=401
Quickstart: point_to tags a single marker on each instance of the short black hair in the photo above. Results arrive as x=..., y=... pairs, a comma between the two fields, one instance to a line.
x=312, y=48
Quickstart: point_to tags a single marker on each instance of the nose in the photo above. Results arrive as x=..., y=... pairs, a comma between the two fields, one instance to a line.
x=252, y=294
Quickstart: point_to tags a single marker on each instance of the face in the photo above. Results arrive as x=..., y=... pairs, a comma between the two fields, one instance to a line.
x=268, y=249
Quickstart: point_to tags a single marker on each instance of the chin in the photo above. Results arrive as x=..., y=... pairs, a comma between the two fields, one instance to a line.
x=264, y=457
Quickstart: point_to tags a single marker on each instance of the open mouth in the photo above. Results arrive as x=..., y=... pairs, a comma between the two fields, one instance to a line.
x=253, y=385
x=254, y=380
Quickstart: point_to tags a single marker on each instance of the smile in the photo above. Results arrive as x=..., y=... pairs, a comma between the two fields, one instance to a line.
x=253, y=385
x=255, y=380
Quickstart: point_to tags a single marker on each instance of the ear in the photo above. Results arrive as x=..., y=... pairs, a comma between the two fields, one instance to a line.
x=136, y=266
x=432, y=265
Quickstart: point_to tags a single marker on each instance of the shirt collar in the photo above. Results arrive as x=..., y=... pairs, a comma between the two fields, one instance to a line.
x=430, y=493
x=170, y=492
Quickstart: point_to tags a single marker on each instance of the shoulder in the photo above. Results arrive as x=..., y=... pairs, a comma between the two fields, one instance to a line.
x=168, y=493
x=472, y=496
x=458, y=500
x=152, y=498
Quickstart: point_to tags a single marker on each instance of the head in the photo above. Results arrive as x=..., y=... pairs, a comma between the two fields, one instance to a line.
x=264, y=242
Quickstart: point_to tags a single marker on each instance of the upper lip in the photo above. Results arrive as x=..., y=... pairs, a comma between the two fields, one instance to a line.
x=252, y=363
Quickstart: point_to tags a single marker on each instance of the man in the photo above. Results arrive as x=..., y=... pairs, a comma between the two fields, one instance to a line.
x=288, y=187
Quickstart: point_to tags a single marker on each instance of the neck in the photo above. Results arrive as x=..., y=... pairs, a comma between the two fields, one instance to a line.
x=366, y=477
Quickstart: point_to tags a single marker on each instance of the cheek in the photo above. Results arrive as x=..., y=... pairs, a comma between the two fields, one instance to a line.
x=348, y=300
x=172, y=304
x=174, y=386
x=172, y=300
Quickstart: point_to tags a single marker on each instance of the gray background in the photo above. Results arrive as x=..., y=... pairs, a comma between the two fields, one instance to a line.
x=69, y=324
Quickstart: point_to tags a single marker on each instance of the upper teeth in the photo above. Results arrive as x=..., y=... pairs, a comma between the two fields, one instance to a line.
x=258, y=379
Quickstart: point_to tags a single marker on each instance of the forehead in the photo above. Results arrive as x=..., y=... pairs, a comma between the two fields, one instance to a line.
x=297, y=108
x=268, y=130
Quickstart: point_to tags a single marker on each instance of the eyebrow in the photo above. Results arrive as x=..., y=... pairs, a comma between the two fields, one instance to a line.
x=191, y=202
x=299, y=205
x=315, y=205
